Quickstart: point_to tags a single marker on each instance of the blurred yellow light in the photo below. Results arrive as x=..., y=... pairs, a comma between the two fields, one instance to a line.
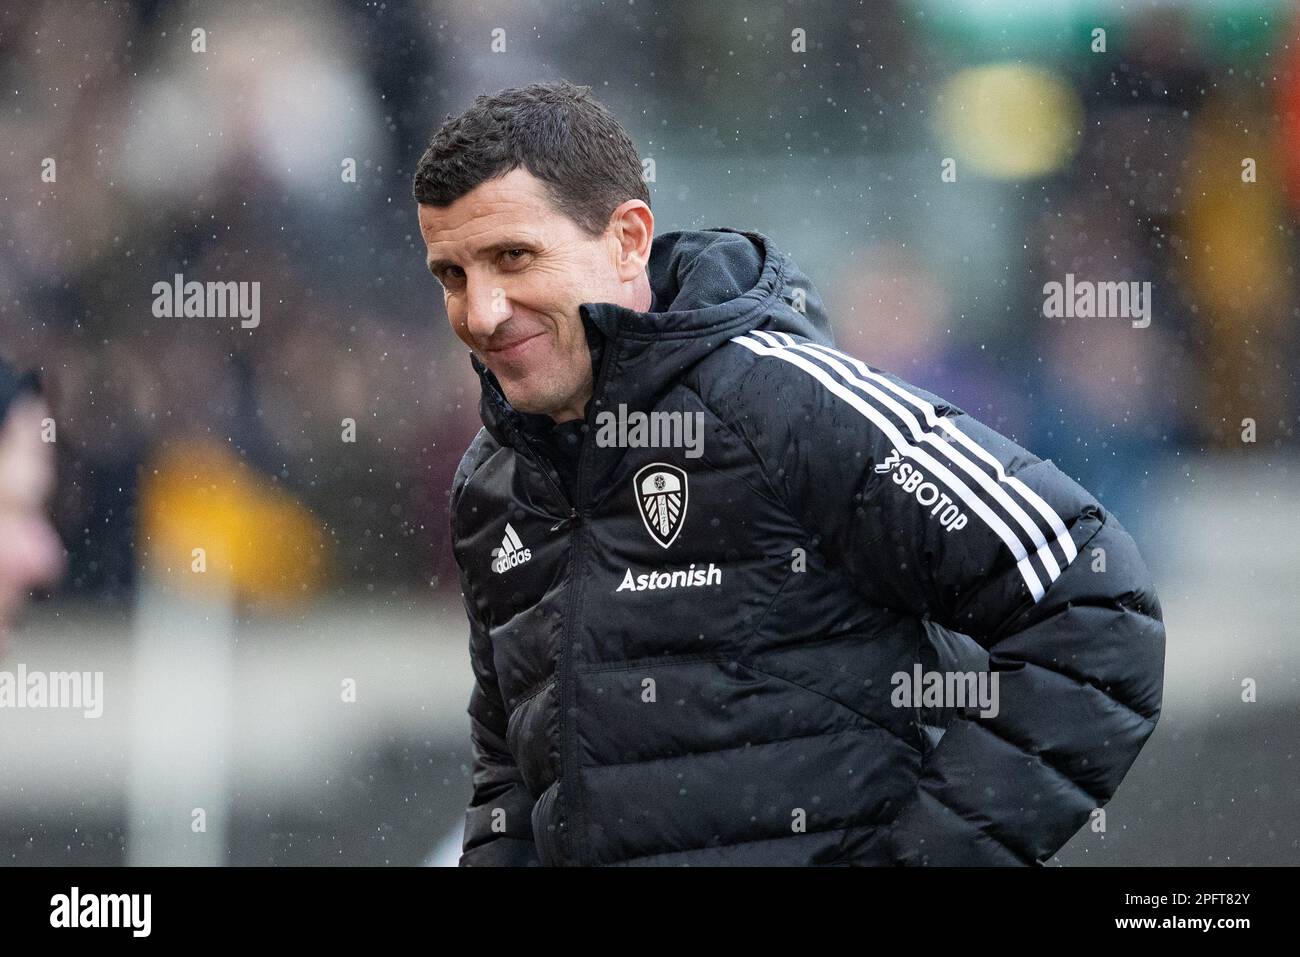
x=1236, y=257
x=253, y=536
x=1009, y=121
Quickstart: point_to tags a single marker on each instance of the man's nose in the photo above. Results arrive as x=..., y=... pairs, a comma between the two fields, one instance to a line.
x=488, y=308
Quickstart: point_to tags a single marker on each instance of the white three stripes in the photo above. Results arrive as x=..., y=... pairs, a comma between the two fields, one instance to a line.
x=869, y=384
x=510, y=543
x=933, y=420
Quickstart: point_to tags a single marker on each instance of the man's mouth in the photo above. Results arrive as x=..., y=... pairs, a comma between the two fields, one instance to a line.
x=511, y=351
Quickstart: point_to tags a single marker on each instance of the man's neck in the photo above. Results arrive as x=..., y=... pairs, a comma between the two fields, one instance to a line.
x=643, y=299
x=578, y=411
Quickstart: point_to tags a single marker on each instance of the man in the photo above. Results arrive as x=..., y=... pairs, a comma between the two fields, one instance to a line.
x=31, y=555
x=691, y=651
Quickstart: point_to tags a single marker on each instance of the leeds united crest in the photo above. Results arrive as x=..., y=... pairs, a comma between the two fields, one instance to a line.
x=661, y=499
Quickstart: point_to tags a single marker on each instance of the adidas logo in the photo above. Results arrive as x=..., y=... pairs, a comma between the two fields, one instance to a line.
x=511, y=552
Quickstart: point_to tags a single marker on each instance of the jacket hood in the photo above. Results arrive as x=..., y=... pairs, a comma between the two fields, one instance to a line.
x=708, y=286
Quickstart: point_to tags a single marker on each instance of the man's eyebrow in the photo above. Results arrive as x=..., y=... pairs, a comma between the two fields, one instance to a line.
x=516, y=242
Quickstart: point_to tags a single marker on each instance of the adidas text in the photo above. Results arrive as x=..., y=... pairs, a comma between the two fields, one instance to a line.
x=511, y=553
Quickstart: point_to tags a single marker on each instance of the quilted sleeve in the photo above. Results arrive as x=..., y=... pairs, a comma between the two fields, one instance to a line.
x=929, y=511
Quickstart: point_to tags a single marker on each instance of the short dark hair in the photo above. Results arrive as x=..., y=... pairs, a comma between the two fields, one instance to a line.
x=558, y=131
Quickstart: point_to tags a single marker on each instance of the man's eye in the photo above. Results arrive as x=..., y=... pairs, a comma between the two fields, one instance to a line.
x=514, y=255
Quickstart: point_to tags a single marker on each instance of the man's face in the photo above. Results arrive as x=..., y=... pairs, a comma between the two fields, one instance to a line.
x=514, y=271
x=31, y=555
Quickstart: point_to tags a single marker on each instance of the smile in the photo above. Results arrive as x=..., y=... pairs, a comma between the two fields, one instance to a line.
x=514, y=350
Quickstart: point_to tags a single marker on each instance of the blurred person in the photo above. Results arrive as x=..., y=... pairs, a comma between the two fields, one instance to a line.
x=897, y=309
x=31, y=555
x=703, y=640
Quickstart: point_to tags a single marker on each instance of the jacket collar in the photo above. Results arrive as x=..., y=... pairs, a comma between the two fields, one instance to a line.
x=709, y=285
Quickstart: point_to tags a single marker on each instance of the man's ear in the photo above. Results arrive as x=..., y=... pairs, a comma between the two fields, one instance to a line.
x=632, y=226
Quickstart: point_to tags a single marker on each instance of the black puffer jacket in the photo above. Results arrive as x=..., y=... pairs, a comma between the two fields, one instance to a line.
x=690, y=658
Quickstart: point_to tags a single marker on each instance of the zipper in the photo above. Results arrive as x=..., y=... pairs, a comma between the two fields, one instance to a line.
x=548, y=470
x=521, y=438
x=568, y=733
x=548, y=842
x=548, y=848
x=565, y=666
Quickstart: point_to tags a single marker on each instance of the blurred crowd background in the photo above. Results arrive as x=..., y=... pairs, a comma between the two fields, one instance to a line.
x=1115, y=164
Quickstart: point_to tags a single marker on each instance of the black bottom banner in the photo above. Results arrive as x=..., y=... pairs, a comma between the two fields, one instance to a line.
x=328, y=906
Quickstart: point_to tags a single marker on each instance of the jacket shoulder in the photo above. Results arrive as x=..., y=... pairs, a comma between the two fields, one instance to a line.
x=779, y=376
x=812, y=410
